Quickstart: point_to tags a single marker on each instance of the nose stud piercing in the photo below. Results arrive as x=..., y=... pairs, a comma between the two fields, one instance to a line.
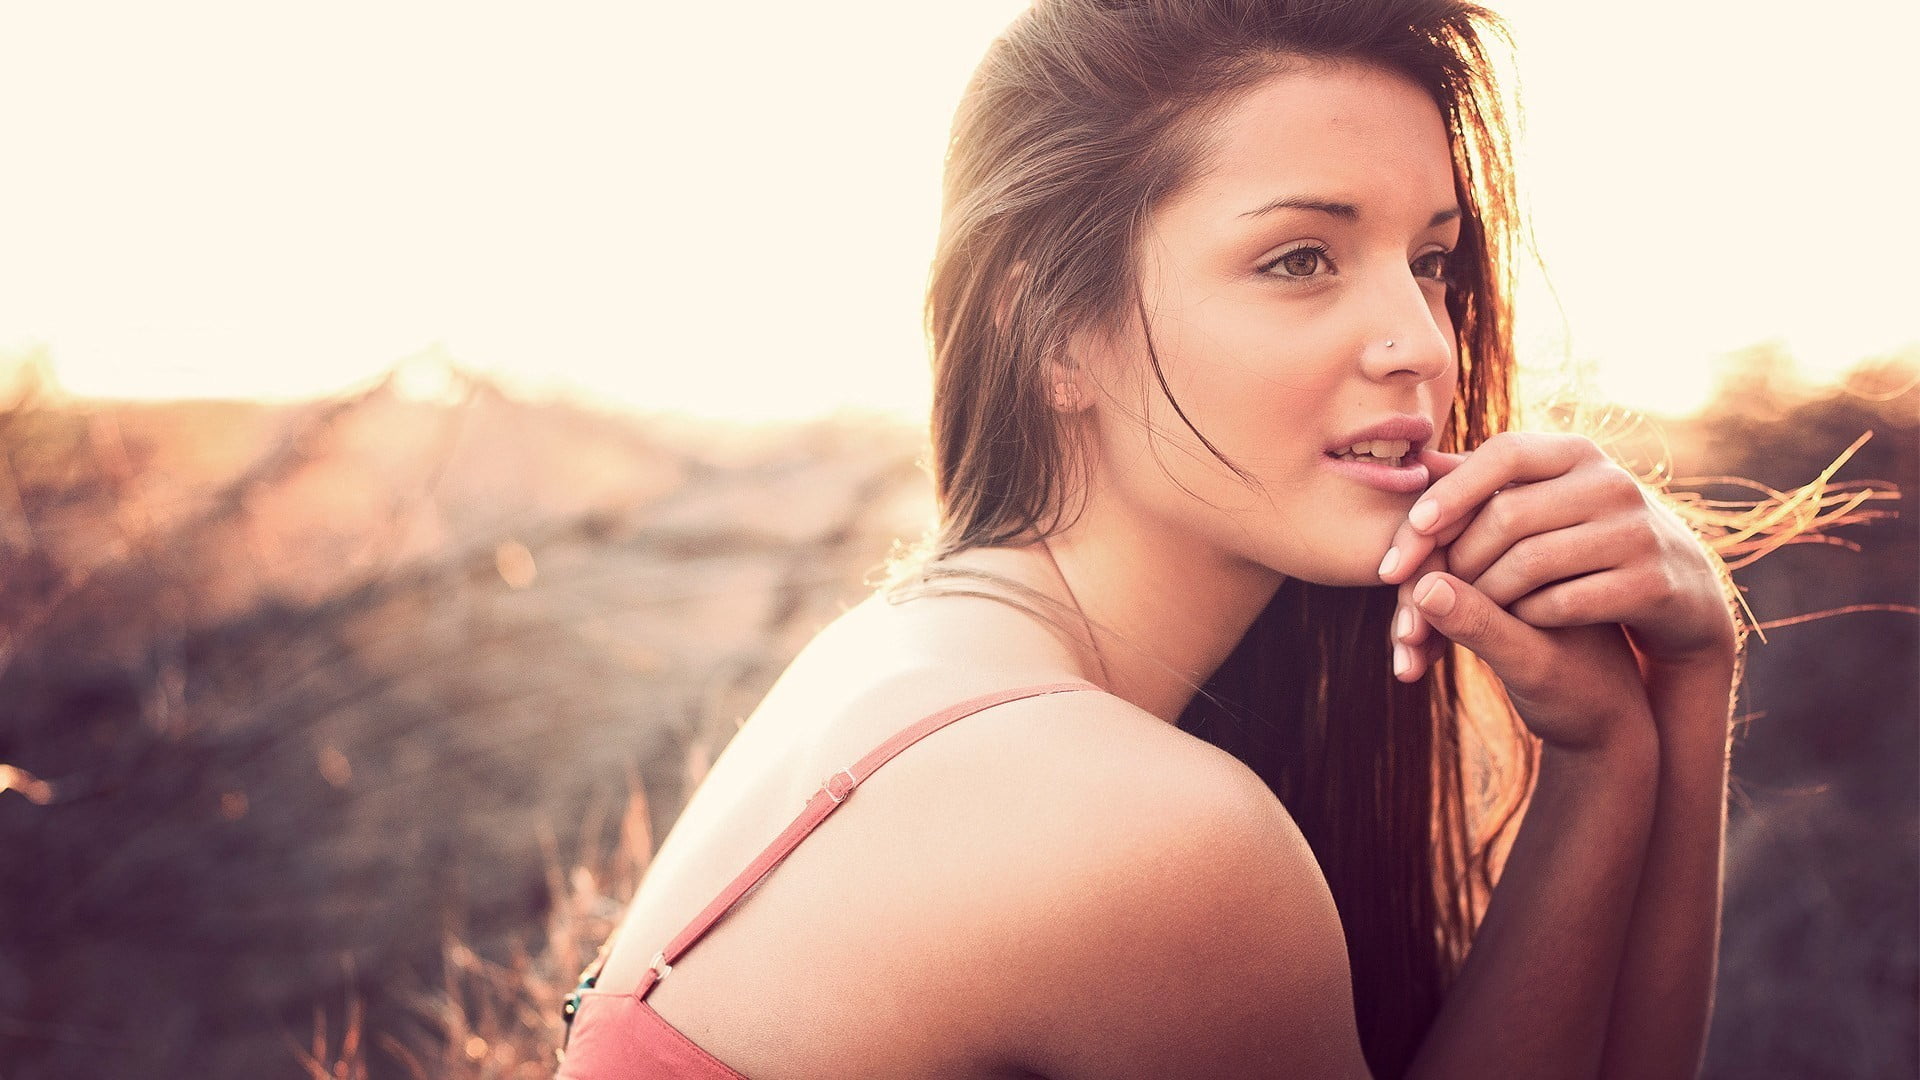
x=1389, y=344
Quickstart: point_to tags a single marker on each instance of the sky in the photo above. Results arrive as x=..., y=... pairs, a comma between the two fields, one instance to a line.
x=728, y=210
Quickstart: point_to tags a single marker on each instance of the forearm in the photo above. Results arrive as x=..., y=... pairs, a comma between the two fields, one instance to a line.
x=1532, y=997
x=1663, y=1002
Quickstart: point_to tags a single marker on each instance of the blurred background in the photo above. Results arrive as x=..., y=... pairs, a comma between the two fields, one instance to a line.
x=426, y=431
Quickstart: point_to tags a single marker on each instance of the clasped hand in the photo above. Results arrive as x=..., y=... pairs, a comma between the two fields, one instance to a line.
x=1555, y=566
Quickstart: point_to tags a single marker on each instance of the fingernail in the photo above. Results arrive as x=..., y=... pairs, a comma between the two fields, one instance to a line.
x=1400, y=660
x=1403, y=623
x=1437, y=599
x=1392, y=560
x=1424, y=514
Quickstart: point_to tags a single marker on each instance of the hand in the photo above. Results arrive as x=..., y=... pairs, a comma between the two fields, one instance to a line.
x=1551, y=529
x=1577, y=687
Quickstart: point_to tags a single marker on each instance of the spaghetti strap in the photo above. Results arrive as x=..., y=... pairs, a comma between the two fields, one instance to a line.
x=831, y=794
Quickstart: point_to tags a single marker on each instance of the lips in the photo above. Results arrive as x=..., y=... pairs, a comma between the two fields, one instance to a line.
x=1405, y=478
x=1402, y=436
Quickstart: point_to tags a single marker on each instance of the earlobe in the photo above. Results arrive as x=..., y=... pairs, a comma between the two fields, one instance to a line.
x=1064, y=376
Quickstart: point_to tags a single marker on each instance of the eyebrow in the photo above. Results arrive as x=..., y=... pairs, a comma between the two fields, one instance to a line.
x=1344, y=211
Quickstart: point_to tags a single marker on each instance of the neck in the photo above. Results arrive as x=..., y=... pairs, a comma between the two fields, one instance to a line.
x=1165, y=606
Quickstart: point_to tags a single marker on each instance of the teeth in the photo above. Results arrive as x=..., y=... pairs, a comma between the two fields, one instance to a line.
x=1381, y=447
x=1379, y=451
x=1345, y=455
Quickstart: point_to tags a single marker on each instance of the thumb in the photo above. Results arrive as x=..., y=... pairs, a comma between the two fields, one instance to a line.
x=1469, y=617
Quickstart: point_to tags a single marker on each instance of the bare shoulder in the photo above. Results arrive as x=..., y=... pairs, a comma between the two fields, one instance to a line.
x=1162, y=915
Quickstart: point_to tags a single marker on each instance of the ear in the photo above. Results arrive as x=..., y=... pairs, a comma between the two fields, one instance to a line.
x=1066, y=384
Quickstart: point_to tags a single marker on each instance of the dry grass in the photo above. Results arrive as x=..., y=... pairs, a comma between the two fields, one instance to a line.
x=499, y=1019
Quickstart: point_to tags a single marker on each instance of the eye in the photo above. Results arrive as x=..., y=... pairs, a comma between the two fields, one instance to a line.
x=1300, y=262
x=1437, y=265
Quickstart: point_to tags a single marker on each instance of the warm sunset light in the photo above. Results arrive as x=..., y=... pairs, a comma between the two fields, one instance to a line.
x=460, y=462
x=729, y=212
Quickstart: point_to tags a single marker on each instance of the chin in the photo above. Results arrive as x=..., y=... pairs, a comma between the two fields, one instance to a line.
x=1343, y=562
x=1362, y=579
x=1341, y=575
x=1350, y=561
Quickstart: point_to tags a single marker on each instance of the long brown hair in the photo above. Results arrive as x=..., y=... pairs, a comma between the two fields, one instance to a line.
x=1084, y=116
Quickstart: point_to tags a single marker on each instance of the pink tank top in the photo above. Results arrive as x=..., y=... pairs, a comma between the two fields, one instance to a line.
x=614, y=1036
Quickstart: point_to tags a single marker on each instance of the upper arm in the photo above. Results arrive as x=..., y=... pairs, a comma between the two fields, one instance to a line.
x=1175, y=923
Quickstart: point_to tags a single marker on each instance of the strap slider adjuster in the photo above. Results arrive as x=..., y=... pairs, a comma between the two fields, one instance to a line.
x=841, y=796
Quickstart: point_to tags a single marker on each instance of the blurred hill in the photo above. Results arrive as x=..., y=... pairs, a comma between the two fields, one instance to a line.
x=313, y=683
x=354, y=719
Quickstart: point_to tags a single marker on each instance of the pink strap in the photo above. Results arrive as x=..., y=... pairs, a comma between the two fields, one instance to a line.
x=832, y=793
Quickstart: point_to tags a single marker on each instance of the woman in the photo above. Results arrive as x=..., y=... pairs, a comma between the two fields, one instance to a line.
x=1222, y=356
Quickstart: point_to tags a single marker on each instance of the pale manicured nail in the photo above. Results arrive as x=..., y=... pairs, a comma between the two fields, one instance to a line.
x=1392, y=560
x=1401, y=661
x=1424, y=514
x=1403, y=622
x=1437, y=599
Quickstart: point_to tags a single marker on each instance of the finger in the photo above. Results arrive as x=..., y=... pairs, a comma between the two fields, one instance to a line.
x=1440, y=463
x=1514, y=513
x=1510, y=457
x=1423, y=648
x=1421, y=654
x=1467, y=617
x=1410, y=630
x=1614, y=596
x=1535, y=562
x=1425, y=652
x=1409, y=625
x=1409, y=549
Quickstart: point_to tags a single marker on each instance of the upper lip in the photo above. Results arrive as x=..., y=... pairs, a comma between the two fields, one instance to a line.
x=1417, y=430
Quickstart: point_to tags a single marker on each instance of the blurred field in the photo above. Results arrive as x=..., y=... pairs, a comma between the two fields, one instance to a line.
x=333, y=735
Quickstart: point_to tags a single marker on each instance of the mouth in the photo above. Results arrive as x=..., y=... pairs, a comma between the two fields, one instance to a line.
x=1393, y=468
x=1390, y=452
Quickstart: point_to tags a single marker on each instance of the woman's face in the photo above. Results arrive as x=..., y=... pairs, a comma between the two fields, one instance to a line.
x=1317, y=232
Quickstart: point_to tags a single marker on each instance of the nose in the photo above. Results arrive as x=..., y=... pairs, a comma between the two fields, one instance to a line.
x=1406, y=339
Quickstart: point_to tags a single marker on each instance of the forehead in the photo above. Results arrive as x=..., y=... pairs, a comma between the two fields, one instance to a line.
x=1344, y=131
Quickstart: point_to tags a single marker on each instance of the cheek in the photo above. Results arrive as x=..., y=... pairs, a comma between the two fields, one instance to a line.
x=1267, y=402
x=1257, y=385
x=1255, y=358
x=1270, y=422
